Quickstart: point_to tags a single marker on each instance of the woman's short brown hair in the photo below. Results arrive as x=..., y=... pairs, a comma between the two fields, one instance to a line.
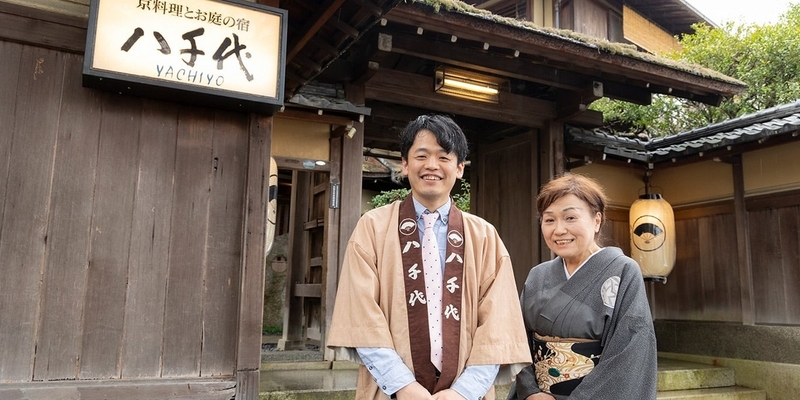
x=584, y=188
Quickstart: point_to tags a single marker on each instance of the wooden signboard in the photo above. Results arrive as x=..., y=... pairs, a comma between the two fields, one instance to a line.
x=228, y=54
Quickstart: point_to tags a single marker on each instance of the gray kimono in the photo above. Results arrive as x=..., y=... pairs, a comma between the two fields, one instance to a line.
x=604, y=300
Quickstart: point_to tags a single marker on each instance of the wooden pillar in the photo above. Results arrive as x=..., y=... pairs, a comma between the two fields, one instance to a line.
x=352, y=158
x=332, y=238
x=352, y=162
x=251, y=278
x=743, y=243
x=295, y=273
x=551, y=165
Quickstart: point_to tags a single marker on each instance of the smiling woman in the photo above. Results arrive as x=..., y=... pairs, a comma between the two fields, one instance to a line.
x=585, y=306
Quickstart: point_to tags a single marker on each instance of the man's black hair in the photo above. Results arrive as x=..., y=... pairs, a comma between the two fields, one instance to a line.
x=448, y=134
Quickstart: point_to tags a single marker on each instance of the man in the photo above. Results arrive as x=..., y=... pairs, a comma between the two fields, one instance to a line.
x=454, y=336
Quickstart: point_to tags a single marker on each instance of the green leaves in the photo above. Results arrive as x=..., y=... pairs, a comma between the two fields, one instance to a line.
x=388, y=196
x=765, y=57
x=461, y=199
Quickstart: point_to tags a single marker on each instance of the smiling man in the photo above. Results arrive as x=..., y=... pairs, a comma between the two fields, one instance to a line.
x=430, y=312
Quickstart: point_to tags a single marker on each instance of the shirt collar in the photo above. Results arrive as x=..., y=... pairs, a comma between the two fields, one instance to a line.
x=444, y=210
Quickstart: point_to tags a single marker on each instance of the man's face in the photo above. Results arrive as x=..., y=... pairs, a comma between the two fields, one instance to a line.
x=431, y=171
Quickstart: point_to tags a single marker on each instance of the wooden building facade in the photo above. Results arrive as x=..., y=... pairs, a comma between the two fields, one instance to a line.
x=133, y=230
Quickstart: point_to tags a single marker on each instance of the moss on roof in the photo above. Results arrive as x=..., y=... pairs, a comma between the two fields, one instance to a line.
x=622, y=49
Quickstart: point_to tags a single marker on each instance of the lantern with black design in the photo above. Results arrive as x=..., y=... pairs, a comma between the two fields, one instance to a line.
x=653, y=235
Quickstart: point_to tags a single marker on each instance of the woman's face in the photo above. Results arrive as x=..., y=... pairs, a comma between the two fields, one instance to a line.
x=569, y=227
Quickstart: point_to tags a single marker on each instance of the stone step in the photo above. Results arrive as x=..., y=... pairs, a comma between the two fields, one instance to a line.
x=679, y=375
x=337, y=380
x=723, y=393
x=308, y=384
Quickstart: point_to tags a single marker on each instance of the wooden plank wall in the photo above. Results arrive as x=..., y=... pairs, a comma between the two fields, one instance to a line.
x=775, y=244
x=591, y=18
x=705, y=284
x=120, y=228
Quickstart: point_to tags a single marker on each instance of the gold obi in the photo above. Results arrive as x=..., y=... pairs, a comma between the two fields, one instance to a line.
x=560, y=364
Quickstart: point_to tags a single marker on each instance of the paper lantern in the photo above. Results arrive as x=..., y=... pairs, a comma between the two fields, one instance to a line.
x=272, y=206
x=653, y=236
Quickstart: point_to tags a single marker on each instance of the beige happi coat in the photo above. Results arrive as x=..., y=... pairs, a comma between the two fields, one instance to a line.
x=370, y=309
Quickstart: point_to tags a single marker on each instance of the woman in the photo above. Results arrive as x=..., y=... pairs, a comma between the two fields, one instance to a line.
x=586, y=311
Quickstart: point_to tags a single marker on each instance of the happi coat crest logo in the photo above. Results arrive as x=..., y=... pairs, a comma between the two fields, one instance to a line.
x=455, y=238
x=408, y=226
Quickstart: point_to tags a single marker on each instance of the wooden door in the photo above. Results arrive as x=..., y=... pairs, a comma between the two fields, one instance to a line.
x=505, y=190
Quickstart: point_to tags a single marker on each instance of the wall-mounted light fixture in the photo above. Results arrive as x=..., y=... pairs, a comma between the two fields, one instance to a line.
x=467, y=84
x=348, y=131
x=351, y=131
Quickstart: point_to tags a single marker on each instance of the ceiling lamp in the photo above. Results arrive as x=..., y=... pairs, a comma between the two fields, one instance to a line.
x=467, y=85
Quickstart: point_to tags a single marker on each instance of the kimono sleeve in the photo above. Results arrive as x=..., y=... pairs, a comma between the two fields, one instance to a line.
x=358, y=320
x=628, y=365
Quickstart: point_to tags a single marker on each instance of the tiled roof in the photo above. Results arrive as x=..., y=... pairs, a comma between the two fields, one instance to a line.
x=757, y=127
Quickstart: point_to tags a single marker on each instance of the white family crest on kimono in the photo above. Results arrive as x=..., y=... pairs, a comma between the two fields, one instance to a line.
x=608, y=292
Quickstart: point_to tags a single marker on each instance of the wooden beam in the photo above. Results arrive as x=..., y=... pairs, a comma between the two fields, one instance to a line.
x=297, y=164
x=30, y=25
x=363, y=76
x=345, y=28
x=371, y=8
x=325, y=47
x=501, y=63
x=417, y=90
x=571, y=104
x=314, y=24
x=304, y=61
x=480, y=60
x=587, y=118
x=774, y=200
x=314, y=116
x=631, y=94
x=308, y=290
x=583, y=57
x=125, y=389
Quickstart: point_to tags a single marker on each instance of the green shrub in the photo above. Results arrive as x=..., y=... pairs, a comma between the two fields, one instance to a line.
x=389, y=196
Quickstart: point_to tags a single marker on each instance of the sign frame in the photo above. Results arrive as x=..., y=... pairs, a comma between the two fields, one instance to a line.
x=137, y=84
